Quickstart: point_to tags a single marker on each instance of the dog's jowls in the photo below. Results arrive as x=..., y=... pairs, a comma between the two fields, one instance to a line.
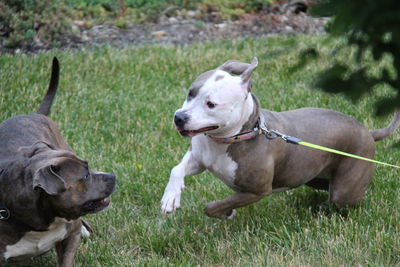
x=219, y=105
x=45, y=187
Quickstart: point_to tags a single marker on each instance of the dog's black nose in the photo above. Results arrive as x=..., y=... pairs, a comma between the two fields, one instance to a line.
x=109, y=178
x=180, y=119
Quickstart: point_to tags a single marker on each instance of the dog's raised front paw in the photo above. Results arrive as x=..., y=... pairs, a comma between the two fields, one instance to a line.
x=170, y=201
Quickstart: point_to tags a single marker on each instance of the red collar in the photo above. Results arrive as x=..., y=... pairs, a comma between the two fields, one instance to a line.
x=258, y=129
x=239, y=137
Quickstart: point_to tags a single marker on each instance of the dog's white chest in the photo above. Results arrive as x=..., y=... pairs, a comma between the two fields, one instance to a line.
x=36, y=243
x=215, y=158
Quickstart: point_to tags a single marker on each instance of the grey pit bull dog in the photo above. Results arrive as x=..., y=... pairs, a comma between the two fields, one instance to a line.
x=219, y=106
x=44, y=187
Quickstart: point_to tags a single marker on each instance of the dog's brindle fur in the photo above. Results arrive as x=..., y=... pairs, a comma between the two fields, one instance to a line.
x=45, y=186
x=265, y=166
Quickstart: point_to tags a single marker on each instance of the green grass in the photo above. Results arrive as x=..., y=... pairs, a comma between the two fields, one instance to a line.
x=115, y=106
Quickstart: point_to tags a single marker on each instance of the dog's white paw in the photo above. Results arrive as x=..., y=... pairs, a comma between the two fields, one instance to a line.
x=85, y=232
x=171, y=199
x=232, y=215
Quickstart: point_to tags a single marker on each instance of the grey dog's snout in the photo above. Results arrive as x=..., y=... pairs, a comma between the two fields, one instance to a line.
x=180, y=119
x=109, y=179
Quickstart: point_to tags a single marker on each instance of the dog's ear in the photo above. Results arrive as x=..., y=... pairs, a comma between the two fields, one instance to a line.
x=38, y=147
x=47, y=179
x=240, y=68
x=246, y=75
x=234, y=67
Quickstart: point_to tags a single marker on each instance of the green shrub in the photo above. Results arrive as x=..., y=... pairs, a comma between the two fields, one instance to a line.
x=25, y=21
x=150, y=10
x=232, y=9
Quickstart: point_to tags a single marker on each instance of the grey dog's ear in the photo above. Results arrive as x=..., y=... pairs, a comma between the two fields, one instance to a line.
x=234, y=67
x=38, y=147
x=246, y=75
x=47, y=179
x=240, y=68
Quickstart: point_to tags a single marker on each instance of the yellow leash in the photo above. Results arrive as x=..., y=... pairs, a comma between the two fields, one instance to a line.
x=345, y=154
x=297, y=141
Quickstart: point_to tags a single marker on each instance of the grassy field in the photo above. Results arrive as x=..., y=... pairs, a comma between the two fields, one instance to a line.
x=115, y=107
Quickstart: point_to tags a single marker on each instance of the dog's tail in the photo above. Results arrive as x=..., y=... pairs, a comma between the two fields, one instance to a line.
x=51, y=91
x=382, y=133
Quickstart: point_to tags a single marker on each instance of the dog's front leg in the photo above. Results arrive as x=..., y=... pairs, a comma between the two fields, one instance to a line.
x=172, y=194
x=67, y=248
x=225, y=209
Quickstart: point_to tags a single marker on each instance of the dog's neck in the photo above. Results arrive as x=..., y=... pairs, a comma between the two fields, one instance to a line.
x=253, y=117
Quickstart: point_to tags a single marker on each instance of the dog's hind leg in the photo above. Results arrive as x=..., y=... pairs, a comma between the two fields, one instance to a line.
x=225, y=209
x=350, y=182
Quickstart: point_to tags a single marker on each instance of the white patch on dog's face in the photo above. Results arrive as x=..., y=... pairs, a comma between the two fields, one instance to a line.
x=219, y=101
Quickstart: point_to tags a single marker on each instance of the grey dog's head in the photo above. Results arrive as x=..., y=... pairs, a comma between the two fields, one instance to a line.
x=67, y=182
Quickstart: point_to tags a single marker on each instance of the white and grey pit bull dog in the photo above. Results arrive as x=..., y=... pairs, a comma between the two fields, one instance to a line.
x=219, y=106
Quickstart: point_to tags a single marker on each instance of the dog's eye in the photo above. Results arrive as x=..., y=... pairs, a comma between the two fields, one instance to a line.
x=86, y=176
x=190, y=95
x=210, y=104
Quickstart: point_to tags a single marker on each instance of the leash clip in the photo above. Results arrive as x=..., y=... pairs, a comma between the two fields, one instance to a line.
x=4, y=214
x=262, y=128
x=268, y=134
x=272, y=134
x=287, y=138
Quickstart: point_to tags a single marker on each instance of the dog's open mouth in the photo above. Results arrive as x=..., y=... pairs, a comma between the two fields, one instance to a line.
x=192, y=133
x=95, y=206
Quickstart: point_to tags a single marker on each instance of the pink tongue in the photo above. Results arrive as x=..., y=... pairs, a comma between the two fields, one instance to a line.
x=192, y=133
x=104, y=201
